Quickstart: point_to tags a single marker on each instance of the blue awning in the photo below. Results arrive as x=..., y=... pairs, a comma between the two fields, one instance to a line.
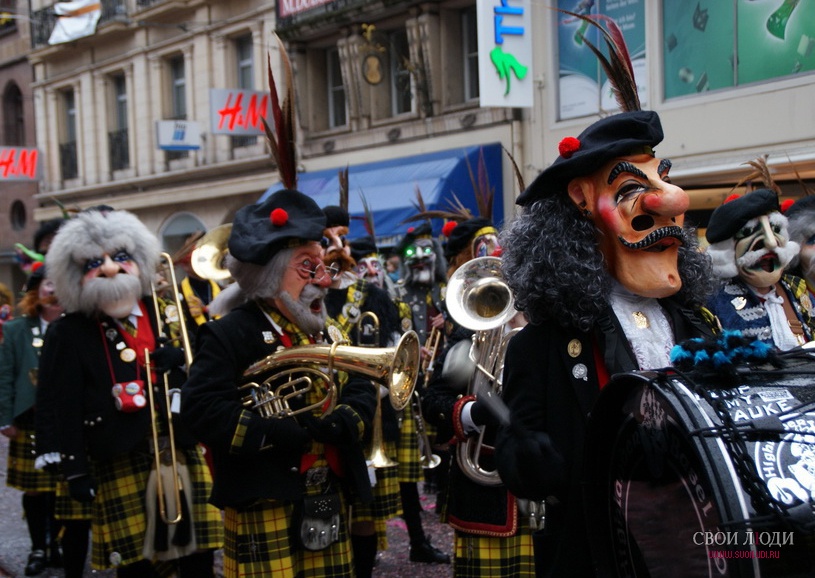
x=390, y=188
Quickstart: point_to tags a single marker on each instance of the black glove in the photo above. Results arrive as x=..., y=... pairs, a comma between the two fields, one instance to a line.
x=82, y=489
x=482, y=415
x=542, y=461
x=167, y=358
x=331, y=429
x=286, y=435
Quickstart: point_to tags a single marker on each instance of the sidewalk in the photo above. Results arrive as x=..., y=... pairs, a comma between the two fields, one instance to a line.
x=15, y=544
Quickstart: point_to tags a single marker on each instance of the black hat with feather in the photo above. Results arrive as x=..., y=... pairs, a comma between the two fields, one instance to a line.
x=287, y=217
x=632, y=131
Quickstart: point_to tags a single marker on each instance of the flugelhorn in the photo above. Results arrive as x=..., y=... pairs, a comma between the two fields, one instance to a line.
x=479, y=299
x=278, y=378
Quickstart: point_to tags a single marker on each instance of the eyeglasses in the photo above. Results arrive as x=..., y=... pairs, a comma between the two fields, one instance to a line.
x=315, y=271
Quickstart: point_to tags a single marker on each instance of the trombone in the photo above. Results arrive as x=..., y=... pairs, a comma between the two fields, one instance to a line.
x=185, y=342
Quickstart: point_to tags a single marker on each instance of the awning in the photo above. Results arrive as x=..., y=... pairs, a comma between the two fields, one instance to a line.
x=390, y=186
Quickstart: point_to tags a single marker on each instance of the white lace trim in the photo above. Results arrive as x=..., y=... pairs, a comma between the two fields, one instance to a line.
x=652, y=344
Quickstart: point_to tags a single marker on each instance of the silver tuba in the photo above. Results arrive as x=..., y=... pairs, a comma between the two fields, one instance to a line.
x=479, y=299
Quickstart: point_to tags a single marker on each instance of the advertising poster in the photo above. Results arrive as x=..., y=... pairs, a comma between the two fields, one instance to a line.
x=583, y=87
x=718, y=45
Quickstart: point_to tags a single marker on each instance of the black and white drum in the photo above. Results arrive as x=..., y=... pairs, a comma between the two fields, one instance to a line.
x=689, y=480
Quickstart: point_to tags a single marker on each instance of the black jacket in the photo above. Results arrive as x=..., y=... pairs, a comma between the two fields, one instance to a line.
x=550, y=385
x=211, y=406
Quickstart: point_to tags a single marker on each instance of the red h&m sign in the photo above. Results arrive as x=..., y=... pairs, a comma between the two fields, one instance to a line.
x=19, y=164
x=238, y=112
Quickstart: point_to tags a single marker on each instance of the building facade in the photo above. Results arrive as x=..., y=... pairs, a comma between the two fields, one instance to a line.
x=390, y=90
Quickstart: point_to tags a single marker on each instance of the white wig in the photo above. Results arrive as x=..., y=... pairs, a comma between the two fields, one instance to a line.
x=90, y=235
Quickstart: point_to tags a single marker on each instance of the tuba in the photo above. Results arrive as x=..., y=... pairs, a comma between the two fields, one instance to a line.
x=284, y=375
x=479, y=299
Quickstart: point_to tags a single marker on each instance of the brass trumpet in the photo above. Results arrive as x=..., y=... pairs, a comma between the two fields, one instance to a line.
x=207, y=258
x=432, y=346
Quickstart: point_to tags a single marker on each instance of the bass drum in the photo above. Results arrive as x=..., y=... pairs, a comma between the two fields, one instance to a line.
x=683, y=484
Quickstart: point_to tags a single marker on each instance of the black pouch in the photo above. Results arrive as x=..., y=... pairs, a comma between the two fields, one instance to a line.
x=319, y=521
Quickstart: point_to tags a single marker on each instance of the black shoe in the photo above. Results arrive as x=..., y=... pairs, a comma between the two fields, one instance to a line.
x=36, y=563
x=426, y=553
x=54, y=556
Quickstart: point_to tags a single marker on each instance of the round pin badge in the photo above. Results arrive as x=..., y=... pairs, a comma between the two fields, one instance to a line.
x=335, y=334
x=127, y=355
x=580, y=371
x=574, y=348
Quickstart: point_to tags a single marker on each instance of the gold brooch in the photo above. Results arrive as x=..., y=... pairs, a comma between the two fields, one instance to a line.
x=640, y=320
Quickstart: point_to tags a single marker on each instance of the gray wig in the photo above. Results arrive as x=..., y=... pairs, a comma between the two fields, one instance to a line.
x=88, y=236
x=552, y=263
x=260, y=281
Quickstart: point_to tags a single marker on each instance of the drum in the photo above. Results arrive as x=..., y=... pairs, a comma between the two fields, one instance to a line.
x=685, y=478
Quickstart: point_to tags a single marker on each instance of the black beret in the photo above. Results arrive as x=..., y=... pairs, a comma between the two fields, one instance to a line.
x=363, y=247
x=462, y=235
x=336, y=216
x=423, y=230
x=801, y=206
x=611, y=137
x=47, y=228
x=728, y=218
x=260, y=230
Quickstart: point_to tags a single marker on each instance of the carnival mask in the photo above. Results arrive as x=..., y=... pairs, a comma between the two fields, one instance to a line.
x=370, y=269
x=638, y=215
x=486, y=245
x=336, y=249
x=111, y=282
x=420, y=261
x=303, y=288
x=763, y=250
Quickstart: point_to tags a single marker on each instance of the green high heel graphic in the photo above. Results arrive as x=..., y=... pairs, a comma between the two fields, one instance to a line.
x=506, y=63
x=777, y=22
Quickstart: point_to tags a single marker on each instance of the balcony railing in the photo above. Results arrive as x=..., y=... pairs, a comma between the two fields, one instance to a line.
x=69, y=167
x=43, y=21
x=119, y=150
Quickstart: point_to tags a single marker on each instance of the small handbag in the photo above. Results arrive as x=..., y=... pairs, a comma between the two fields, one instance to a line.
x=320, y=521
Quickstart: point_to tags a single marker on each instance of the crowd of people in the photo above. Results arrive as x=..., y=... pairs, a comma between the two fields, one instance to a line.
x=259, y=434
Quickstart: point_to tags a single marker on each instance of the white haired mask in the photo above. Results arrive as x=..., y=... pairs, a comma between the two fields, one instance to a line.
x=113, y=240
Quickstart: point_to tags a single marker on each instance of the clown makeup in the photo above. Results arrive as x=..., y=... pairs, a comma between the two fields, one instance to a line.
x=370, y=269
x=762, y=250
x=111, y=282
x=638, y=215
x=303, y=287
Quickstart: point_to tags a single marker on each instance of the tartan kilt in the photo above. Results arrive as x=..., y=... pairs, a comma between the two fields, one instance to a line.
x=478, y=556
x=66, y=508
x=408, y=455
x=21, y=473
x=258, y=543
x=387, y=499
x=118, y=520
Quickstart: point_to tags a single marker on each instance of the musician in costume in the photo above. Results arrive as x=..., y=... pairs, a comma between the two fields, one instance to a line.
x=490, y=537
x=267, y=470
x=94, y=361
x=196, y=292
x=19, y=362
x=750, y=249
x=801, y=217
x=600, y=262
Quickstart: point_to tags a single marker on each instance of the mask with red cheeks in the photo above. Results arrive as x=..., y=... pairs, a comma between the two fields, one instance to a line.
x=638, y=215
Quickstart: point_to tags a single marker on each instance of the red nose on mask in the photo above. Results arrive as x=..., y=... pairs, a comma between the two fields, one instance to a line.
x=497, y=253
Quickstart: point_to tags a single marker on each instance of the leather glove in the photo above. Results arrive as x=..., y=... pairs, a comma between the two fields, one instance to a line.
x=482, y=415
x=331, y=429
x=82, y=489
x=286, y=435
x=167, y=358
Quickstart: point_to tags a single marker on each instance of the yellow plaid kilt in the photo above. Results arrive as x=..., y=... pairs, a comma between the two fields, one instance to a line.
x=387, y=502
x=479, y=556
x=118, y=520
x=21, y=473
x=259, y=543
x=408, y=456
x=66, y=508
